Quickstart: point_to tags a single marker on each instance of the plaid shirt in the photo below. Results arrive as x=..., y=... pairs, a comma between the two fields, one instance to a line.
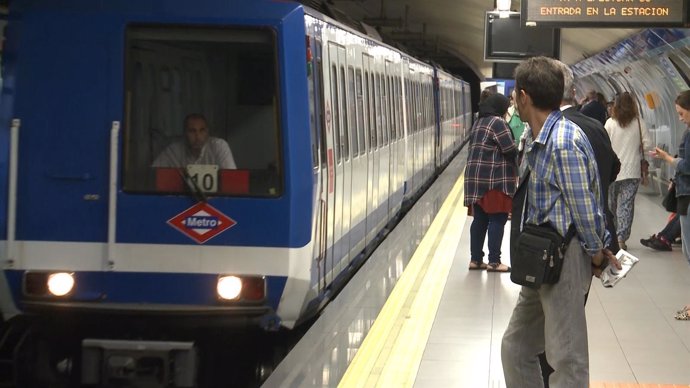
x=491, y=163
x=564, y=183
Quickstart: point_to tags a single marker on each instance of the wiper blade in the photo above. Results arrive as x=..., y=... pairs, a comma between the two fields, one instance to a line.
x=193, y=186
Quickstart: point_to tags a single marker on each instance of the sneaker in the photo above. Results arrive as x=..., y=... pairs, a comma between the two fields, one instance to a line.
x=657, y=243
x=647, y=241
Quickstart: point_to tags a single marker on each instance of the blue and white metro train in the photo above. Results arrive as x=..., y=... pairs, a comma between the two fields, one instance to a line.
x=331, y=135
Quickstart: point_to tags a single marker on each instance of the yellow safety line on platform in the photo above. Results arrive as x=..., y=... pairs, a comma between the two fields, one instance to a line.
x=392, y=350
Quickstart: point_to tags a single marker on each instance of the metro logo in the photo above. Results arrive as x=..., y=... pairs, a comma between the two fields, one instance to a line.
x=201, y=222
x=207, y=222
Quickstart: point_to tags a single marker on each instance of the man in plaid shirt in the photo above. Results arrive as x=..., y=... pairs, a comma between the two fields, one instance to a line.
x=563, y=189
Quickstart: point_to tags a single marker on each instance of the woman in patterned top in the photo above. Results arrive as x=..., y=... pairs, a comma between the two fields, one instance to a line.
x=490, y=181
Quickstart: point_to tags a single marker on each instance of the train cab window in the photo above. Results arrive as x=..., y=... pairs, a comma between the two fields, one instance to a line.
x=202, y=113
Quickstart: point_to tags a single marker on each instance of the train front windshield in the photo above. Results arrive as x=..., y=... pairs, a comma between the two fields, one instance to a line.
x=201, y=112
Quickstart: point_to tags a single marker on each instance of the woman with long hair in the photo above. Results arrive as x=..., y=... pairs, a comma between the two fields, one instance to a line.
x=628, y=135
x=681, y=164
x=490, y=181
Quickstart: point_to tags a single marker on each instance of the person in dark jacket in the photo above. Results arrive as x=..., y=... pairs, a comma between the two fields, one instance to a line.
x=594, y=108
x=490, y=181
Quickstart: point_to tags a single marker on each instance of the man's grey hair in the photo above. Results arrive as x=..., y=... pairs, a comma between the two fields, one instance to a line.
x=568, y=82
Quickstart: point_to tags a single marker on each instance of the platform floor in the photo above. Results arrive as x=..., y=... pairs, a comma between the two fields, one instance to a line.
x=415, y=316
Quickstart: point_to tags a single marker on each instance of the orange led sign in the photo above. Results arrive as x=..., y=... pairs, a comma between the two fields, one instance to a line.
x=604, y=13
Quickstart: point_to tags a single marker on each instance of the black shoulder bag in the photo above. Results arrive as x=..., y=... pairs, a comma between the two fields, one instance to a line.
x=670, y=202
x=537, y=251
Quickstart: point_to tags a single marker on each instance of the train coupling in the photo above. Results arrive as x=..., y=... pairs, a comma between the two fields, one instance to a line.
x=152, y=363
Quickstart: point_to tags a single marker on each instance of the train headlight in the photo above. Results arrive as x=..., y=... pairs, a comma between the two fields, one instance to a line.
x=61, y=283
x=229, y=287
x=241, y=288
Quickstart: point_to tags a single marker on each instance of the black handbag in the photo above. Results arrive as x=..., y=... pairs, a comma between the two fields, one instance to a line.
x=670, y=202
x=536, y=251
x=539, y=255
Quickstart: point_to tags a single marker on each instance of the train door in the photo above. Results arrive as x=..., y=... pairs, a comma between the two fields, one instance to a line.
x=400, y=119
x=438, y=118
x=350, y=190
x=318, y=129
x=418, y=155
x=328, y=143
x=407, y=130
x=367, y=64
x=385, y=159
x=359, y=166
x=336, y=53
x=428, y=128
x=345, y=176
x=394, y=199
x=377, y=135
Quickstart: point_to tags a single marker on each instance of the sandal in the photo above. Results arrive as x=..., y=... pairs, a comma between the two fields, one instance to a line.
x=683, y=315
x=497, y=267
x=477, y=265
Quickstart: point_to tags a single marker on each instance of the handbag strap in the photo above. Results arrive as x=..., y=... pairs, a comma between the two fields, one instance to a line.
x=639, y=128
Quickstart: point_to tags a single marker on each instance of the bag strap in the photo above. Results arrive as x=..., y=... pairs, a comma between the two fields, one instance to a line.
x=639, y=128
x=568, y=236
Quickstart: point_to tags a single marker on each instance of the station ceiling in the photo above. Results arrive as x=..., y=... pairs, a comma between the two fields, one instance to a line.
x=451, y=32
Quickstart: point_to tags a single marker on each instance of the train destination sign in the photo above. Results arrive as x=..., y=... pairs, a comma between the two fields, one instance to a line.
x=603, y=13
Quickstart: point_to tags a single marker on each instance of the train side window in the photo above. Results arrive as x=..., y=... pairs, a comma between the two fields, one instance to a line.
x=412, y=115
x=382, y=109
x=377, y=106
x=352, y=110
x=220, y=81
x=398, y=106
x=360, y=111
x=408, y=106
x=367, y=112
x=373, y=144
x=423, y=103
x=429, y=114
x=426, y=104
x=394, y=126
x=387, y=102
x=335, y=119
x=345, y=128
x=322, y=102
x=415, y=107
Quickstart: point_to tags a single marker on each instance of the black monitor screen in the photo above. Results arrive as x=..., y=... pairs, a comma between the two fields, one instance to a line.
x=505, y=39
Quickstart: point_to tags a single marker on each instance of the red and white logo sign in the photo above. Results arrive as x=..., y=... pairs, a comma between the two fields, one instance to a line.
x=201, y=222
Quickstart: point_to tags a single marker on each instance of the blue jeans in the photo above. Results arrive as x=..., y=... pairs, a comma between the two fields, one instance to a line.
x=672, y=229
x=483, y=222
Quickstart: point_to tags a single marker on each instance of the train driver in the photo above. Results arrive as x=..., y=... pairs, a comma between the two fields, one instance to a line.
x=198, y=147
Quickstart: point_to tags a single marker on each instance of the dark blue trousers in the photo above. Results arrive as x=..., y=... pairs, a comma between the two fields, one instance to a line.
x=493, y=224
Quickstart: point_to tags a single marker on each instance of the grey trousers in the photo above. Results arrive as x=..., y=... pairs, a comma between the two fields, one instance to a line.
x=551, y=319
